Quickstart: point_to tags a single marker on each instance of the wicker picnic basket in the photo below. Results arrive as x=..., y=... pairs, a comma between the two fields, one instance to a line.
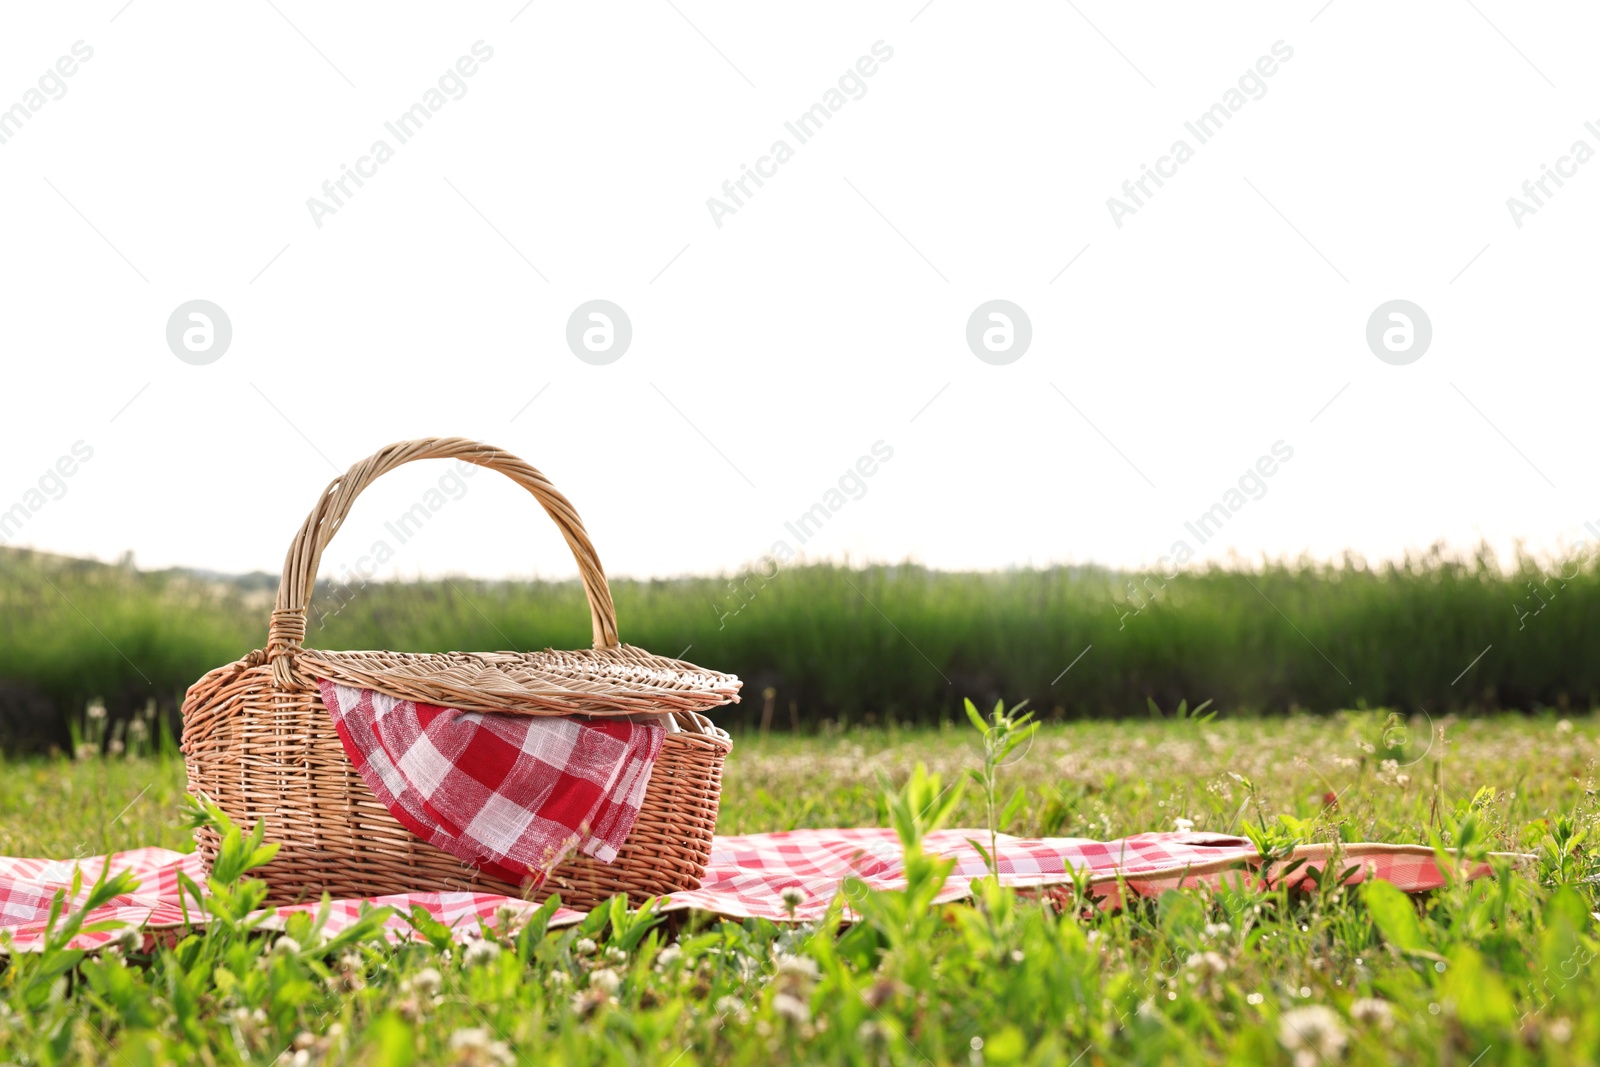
x=259, y=742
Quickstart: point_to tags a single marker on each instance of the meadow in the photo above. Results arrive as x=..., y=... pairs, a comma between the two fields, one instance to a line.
x=1488, y=972
x=877, y=645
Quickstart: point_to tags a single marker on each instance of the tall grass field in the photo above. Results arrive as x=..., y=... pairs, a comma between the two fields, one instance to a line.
x=869, y=645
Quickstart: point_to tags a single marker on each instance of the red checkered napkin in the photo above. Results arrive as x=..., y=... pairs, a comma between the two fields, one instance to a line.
x=512, y=795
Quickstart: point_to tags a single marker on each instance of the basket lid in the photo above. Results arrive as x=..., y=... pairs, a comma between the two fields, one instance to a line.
x=599, y=681
x=609, y=679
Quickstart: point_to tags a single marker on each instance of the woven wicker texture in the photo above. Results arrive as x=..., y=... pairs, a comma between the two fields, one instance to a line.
x=259, y=742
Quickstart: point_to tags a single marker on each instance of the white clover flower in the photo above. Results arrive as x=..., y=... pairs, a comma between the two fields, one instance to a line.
x=792, y=898
x=1373, y=1010
x=560, y=978
x=584, y=946
x=605, y=980
x=792, y=1007
x=127, y=939
x=1218, y=929
x=1207, y=961
x=798, y=966
x=1182, y=825
x=427, y=981
x=480, y=952
x=472, y=1037
x=729, y=1005
x=477, y=1039
x=615, y=954
x=286, y=946
x=1313, y=1033
x=668, y=956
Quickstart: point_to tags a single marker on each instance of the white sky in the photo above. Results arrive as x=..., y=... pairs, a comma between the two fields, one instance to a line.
x=831, y=308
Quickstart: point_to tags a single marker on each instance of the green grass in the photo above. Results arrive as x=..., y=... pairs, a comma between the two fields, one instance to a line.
x=1499, y=969
x=873, y=645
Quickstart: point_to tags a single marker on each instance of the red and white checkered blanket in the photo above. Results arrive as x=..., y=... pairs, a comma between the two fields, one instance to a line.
x=512, y=795
x=747, y=876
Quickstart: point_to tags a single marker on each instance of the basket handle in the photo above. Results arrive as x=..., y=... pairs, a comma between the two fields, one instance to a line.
x=287, y=631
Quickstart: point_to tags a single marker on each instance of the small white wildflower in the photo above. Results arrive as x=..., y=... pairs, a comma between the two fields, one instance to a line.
x=729, y=1005
x=668, y=956
x=584, y=946
x=301, y=1058
x=1255, y=998
x=477, y=1039
x=792, y=898
x=127, y=939
x=286, y=946
x=798, y=966
x=615, y=954
x=1373, y=1010
x=1564, y=727
x=96, y=711
x=606, y=980
x=560, y=978
x=1208, y=961
x=480, y=952
x=1183, y=826
x=1218, y=929
x=472, y=1037
x=792, y=1007
x=427, y=981
x=1561, y=1030
x=1313, y=1032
